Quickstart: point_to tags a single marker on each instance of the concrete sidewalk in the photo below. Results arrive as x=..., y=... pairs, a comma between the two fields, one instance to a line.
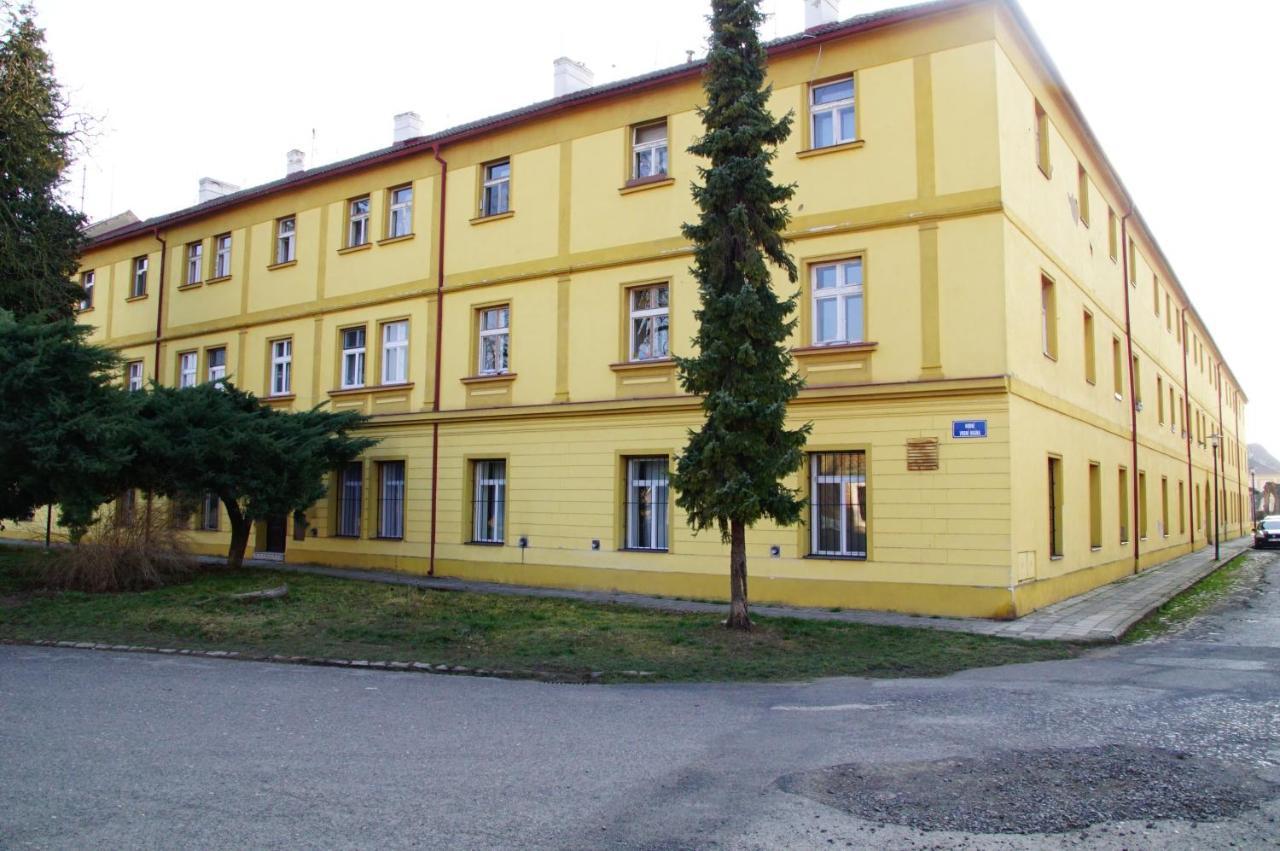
x=1104, y=614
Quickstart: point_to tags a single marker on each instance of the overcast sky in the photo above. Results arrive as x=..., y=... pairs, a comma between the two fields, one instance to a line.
x=1179, y=94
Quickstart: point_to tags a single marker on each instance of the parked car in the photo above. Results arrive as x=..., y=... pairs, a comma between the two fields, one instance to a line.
x=1267, y=532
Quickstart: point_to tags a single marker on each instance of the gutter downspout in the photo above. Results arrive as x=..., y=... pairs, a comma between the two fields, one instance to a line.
x=164, y=255
x=1186, y=423
x=1133, y=396
x=435, y=395
x=1222, y=443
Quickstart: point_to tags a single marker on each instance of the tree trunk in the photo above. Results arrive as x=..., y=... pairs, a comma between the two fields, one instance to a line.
x=738, y=616
x=240, y=526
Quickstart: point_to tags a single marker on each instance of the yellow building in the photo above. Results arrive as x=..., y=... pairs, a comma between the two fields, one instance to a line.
x=1011, y=393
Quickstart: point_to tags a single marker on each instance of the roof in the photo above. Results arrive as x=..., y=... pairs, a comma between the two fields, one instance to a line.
x=119, y=220
x=424, y=144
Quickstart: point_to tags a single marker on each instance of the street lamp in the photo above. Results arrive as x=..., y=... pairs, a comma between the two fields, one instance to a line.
x=1215, y=440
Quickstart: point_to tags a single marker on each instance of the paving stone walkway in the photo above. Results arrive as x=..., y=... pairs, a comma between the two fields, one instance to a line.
x=1104, y=614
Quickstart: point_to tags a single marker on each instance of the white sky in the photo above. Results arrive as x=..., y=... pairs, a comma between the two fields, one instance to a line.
x=1175, y=90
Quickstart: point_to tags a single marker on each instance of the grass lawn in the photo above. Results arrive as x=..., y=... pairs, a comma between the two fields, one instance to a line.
x=1189, y=603
x=337, y=618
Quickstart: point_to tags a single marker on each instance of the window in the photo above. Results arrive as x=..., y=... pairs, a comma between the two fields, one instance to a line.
x=357, y=221
x=838, y=504
x=649, y=150
x=1090, y=364
x=210, y=510
x=281, y=367
x=222, y=255
x=1168, y=313
x=217, y=363
x=1137, y=382
x=1055, y=508
x=286, y=239
x=195, y=263
x=1042, y=139
x=489, y=501
x=1117, y=368
x=391, y=499
x=1133, y=264
x=395, y=352
x=496, y=195
x=187, y=369
x=831, y=113
x=1082, y=189
x=646, y=504
x=139, y=285
x=400, y=212
x=1182, y=509
x=134, y=376
x=1164, y=507
x=86, y=284
x=649, y=322
x=837, y=303
x=350, y=499
x=1113, y=238
x=1123, y=481
x=1095, y=506
x=494, y=340
x=1173, y=412
x=1048, y=318
x=353, y=357
x=1142, y=505
x=1159, y=400
x=1155, y=294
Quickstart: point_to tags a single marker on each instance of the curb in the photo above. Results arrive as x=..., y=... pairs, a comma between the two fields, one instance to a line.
x=1118, y=634
x=362, y=664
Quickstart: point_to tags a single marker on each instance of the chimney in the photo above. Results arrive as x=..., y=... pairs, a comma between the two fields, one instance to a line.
x=295, y=161
x=571, y=76
x=818, y=13
x=408, y=125
x=211, y=188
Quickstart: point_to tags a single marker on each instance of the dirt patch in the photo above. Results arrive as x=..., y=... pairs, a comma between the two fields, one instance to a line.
x=1039, y=791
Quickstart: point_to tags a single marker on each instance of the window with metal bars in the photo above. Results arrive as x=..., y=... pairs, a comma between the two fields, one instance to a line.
x=646, y=504
x=350, y=498
x=210, y=511
x=489, y=501
x=391, y=499
x=838, y=504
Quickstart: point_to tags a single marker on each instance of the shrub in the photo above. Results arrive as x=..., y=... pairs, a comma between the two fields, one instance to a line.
x=112, y=556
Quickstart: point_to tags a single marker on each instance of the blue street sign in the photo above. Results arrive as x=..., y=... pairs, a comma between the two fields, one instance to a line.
x=968, y=428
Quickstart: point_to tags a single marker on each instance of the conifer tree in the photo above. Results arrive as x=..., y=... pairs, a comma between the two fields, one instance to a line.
x=730, y=475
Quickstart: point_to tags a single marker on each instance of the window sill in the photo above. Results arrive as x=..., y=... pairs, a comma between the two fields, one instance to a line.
x=387, y=538
x=833, y=557
x=1095, y=549
x=283, y=397
x=506, y=214
x=1055, y=558
x=346, y=537
x=394, y=239
x=652, y=363
x=495, y=378
x=218, y=279
x=643, y=550
x=1091, y=382
x=81, y=310
x=285, y=265
x=486, y=543
x=194, y=285
x=640, y=184
x=371, y=389
x=1053, y=358
x=1047, y=172
x=136, y=297
x=352, y=249
x=834, y=348
x=831, y=149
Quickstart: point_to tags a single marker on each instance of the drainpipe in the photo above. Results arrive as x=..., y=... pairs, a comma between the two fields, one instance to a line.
x=164, y=255
x=1136, y=529
x=1186, y=423
x=435, y=400
x=1222, y=443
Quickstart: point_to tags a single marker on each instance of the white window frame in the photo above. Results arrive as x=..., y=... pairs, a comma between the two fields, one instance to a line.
x=282, y=367
x=355, y=356
x=210, y=512
x=658, y=501
x=358, y=221
x=489, y=489
x=395, y=352
x=498, y=336
x=833, y=108
x=637, y=316
x=400, y=212
x=222, y=255
x=286, y=239
x=840, y=293
x=217, y=371
x=134, y=376
x=846, y=480
x=139, y=286
x=195, y=262
x=490, y=189
x=638, y=149
x=86, y=284
x=187, y=369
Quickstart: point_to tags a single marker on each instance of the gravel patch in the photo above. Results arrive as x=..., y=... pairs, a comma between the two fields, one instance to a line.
x=1037, y=791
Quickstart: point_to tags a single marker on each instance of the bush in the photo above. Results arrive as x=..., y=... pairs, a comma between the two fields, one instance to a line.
x=146, y=553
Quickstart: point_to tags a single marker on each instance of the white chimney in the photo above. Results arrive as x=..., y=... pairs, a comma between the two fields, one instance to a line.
x=295, y=161
x=211, y=188
x=408, y=125
x=820, y=12
x=571, y=76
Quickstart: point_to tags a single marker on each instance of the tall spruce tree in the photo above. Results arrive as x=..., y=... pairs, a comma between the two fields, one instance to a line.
x=731, y=473
x=40, y=236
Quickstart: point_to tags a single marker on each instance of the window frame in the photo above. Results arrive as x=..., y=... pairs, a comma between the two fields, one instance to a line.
x=1090, y=349
x=401, y=347
x=858, y=476
x=840, y=293
x=286, y=244
x=833, y=108
x=658, y=537
x=484, y=334
x=210, y=507
x=221, y=256
x=281, y=367
x=1048, y=317
x=484, y=475
x=650, y=313
x=194, y=263
x=209, y=366
x=135, y=377
x=489, y=188
x=391, y=526
x=1042, y=140
x=399, y=211
x=88, y=279
x=358, y=219
x=1082, y=189
x=639, y=148
x=358, y=354
x=138, y=283
x=342, y=499
x=191, y=358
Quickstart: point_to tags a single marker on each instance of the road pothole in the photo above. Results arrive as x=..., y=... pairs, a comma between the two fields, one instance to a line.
x=1037, y=791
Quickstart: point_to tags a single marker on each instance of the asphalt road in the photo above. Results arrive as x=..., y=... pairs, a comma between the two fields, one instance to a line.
x=125, y=750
